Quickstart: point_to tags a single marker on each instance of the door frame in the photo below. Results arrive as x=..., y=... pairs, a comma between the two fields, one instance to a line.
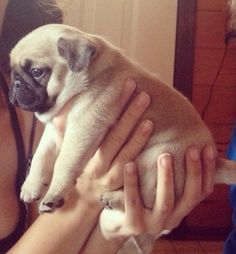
x=184, y=51
x=183, y=69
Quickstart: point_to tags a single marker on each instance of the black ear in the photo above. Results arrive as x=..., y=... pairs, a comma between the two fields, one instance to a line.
x=78, y=53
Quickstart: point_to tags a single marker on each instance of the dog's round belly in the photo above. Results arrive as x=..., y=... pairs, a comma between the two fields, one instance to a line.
x=147, y=161
x=147, y=165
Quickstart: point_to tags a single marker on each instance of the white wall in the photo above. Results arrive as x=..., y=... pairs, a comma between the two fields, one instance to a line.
x=145, y=29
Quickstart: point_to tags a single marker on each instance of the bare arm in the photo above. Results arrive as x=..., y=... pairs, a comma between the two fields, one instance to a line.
x=64, y=231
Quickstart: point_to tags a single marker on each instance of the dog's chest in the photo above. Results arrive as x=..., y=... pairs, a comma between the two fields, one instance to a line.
x=59, y=123
x=68, y=113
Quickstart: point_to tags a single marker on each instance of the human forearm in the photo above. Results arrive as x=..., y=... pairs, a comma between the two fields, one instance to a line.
x=64, y=231
x=67, y=229
x=104, y=246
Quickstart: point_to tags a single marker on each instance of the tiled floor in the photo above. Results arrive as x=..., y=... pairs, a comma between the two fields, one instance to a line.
x=187, y=247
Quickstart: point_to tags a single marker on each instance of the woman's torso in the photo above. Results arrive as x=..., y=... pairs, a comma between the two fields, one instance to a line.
x=9, y=199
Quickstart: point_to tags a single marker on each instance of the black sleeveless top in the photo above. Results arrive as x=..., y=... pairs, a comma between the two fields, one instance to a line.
x=9, y=241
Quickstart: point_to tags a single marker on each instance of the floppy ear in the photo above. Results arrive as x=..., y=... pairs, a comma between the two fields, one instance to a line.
x=78, y=53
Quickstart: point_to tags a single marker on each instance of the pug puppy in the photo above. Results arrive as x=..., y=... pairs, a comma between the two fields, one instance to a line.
x=73, y=82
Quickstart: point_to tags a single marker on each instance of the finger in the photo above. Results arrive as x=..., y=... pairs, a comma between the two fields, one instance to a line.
x=129, y=89
x=120, y=132
x=132, y=201
x=165, y=197
x=192, y=189
x=193, y=182
x=165, y=185
x=209, y=167
x=128, y=153
x=102, y=154
x=136, y=142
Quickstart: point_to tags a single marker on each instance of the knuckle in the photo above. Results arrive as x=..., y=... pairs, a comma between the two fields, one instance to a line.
x=133, y=112
x=97, y=157
x=96, y=164
x=193, y=197
x=208, y=191
x=157, y=228
x=96, y=167
x=174, y=225
x=116, y=138
x=193, y=202
x=175, y=220
x=109, y=181
x=130, y=113
x=133, y=202
x=198, y=198
x=197, y=173
x=145, y=128
x=166, y=209
x=139, y=140
x=127, y=155
x=136, y=229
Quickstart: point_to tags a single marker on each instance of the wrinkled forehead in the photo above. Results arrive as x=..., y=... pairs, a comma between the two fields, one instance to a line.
x=38, y=46
x=33, y=59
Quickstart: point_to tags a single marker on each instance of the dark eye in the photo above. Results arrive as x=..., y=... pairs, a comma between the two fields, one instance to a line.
x=37, y=73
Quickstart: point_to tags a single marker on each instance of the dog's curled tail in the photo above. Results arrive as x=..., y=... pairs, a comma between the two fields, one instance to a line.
x=225, y=171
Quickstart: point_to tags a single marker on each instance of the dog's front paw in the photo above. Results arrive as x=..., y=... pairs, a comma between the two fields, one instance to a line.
x=48, y=205
x=112, y=200
x=31, y=191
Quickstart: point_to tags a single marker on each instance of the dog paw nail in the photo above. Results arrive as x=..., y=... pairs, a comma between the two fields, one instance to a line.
x=49, y=204
x=60, y=203
x=36, y=199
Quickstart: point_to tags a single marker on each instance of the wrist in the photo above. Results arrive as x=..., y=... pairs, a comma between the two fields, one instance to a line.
x=88, y=192
x=83, y=198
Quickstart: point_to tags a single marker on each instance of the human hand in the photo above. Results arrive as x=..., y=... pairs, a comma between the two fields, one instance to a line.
x=166, y=215
x=104, y=171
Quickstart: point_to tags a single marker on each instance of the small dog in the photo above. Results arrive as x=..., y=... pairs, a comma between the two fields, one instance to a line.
x=73, y=82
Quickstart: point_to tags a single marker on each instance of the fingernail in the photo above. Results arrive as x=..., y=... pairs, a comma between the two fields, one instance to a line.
x=165, y=160
x=194, y=154
x=165, y=232
x=210, y=152
x=128, y=90
x=143, y=99
x=130, y=167
x=146, y=125
x=130, y=85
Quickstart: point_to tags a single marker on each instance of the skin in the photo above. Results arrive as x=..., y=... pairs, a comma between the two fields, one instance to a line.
x=80, y=233
x=165, y=215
